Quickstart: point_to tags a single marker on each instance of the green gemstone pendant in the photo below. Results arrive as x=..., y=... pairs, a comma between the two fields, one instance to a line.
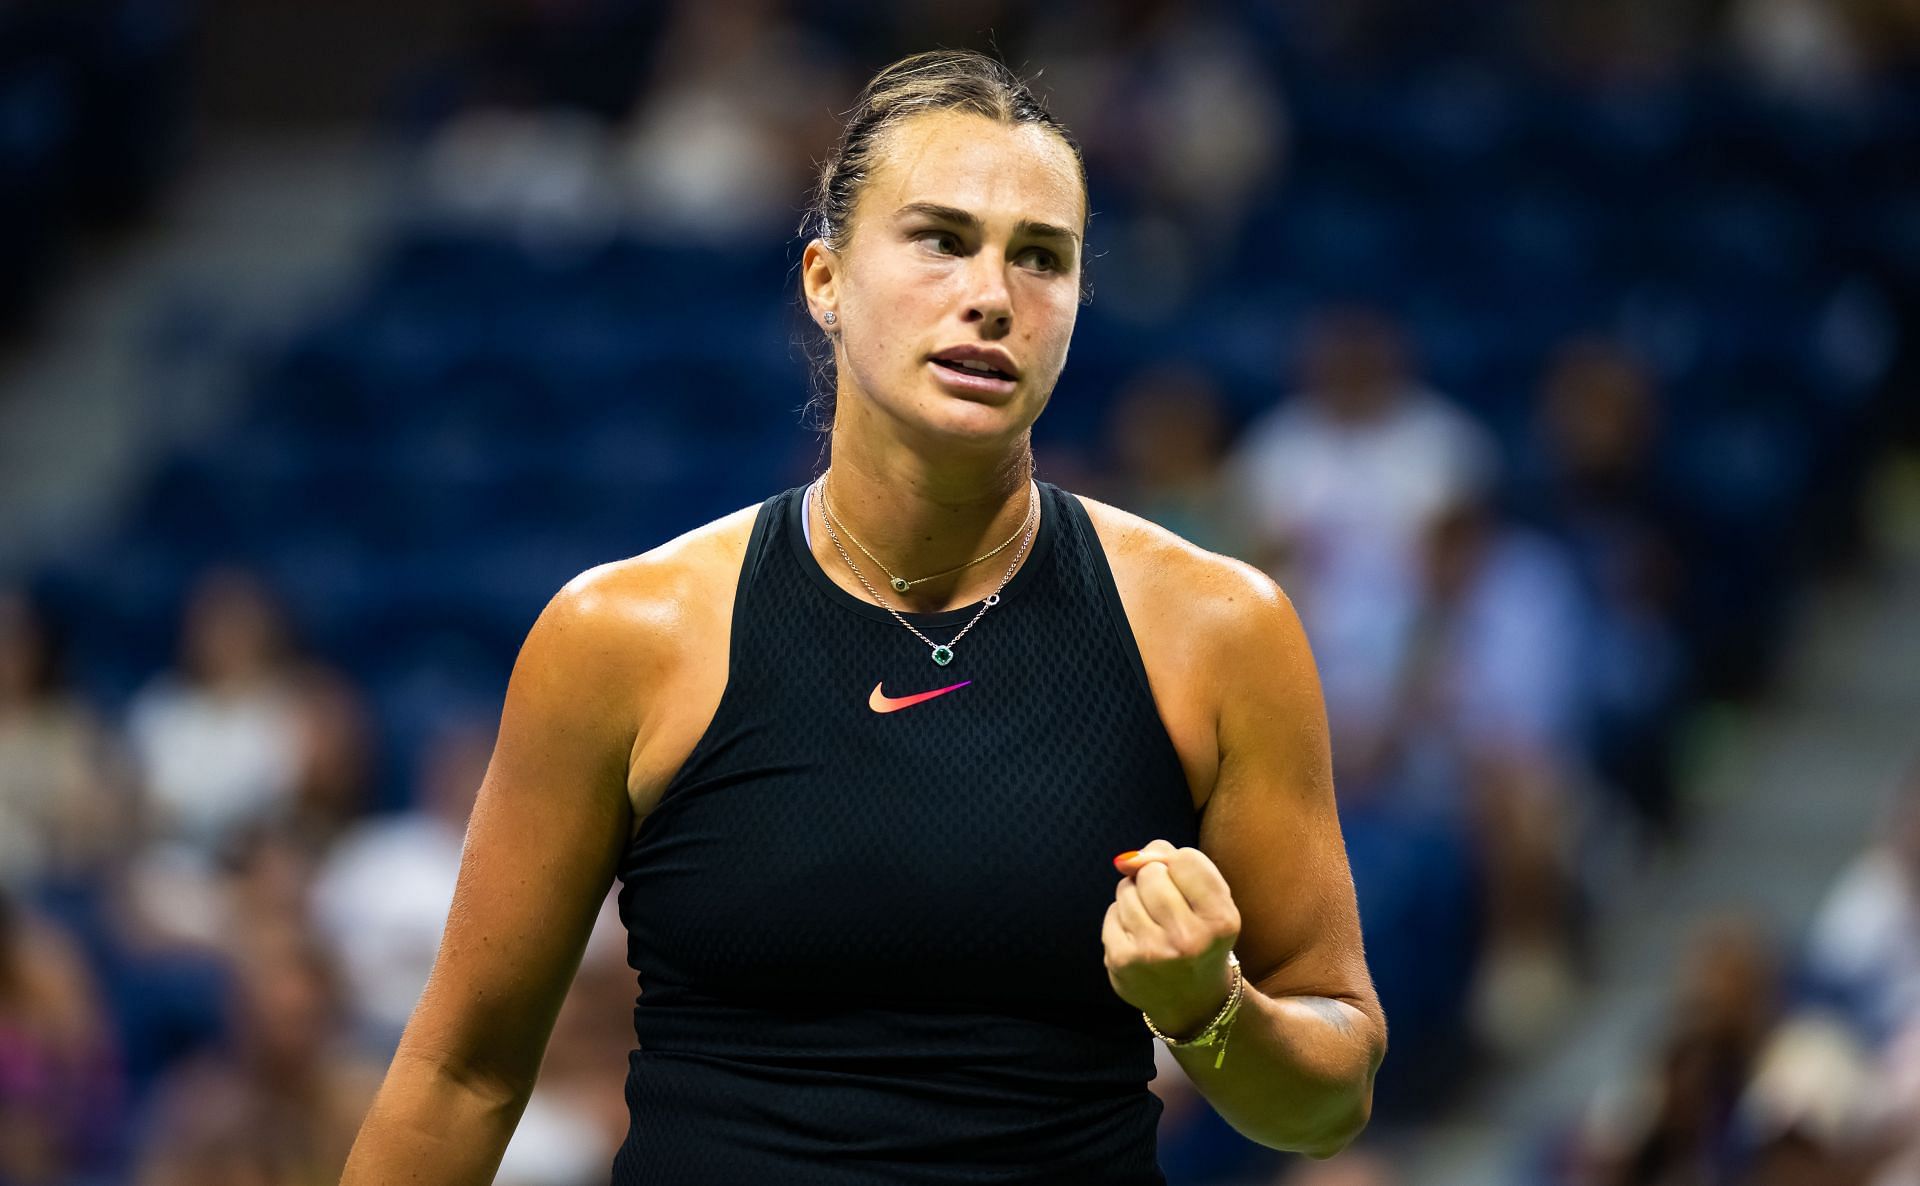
x=943, y=655
x=900, y=584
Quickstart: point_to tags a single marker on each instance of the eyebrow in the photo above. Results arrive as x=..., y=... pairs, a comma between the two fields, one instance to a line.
x=953, y=214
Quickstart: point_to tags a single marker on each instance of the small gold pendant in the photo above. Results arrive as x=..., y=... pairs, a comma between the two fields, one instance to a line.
x=900, y=584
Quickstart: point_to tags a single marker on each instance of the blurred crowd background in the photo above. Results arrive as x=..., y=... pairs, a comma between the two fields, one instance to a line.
x=1554, y=356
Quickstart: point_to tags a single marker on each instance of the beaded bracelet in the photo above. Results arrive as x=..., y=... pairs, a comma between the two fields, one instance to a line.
x=1215, y=1032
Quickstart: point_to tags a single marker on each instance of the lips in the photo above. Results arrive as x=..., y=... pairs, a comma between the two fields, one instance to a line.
x=973, y=382
x=980, y=359
x=971, y=369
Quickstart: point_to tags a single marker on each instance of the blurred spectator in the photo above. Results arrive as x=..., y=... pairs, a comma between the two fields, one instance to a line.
x=1592, y=477
x=1757, y=1087
x=63, y=785
x=1803, y=49
x=1901, y=1084
x=741, y=104
x=542, y=178
x=1184, y=119
x=1166, y=439
x=1818, y=51
x=738, y=102
x=253, y=755
x=220, y=739
x=1495, y=660
x=1836, y=1097
x=1487, y=717
x=266, y=880
x=1339, y=483
x=281, y=1105
x=1864, y=948
x=1206, y=117
x=1812, y=1114
x=334, y=761
x=1674, y=1122
x=60, y=1101
x=382, y=894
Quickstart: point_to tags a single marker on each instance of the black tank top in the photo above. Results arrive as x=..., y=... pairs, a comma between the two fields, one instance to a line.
x=869, y=941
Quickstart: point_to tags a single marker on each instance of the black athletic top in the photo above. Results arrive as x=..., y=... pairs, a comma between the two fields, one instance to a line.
x=869, y=941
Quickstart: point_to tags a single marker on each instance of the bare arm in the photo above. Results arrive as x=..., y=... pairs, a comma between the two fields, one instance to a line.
x=547, y=831
x=1271, y=877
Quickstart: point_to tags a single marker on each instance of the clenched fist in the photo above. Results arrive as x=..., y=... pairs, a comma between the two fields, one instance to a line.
x=1167, y=935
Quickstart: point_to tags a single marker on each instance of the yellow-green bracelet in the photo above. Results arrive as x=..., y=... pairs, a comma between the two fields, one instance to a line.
x=1215, y=1033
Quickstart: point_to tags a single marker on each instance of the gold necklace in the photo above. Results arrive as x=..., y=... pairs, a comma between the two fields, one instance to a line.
x=901, y=584
x=942, y=652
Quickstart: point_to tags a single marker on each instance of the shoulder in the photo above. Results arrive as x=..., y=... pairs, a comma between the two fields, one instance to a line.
x=659, y=585
x=1216, y=602
x=627, y=622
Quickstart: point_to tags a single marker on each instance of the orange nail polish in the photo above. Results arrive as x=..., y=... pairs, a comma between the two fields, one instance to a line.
x=1124, y=857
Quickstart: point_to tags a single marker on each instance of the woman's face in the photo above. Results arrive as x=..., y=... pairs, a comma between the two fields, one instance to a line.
x=966, y=234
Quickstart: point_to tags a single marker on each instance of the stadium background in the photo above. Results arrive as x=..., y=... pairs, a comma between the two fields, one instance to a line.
x=1557, y=357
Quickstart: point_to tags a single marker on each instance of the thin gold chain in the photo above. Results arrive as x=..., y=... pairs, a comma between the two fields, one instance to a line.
x=942, y=652
x=901, y=584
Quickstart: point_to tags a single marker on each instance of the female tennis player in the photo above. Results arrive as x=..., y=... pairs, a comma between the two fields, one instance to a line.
x=861, y=757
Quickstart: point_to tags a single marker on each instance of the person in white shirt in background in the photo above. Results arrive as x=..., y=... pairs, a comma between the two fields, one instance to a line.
x=1338, y=484
x=217, y=736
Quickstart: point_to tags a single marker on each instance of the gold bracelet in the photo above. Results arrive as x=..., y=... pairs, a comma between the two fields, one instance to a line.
x=1215, y=1032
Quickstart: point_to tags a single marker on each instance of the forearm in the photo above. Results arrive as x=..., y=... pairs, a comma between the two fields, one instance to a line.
x=1298, y=1072
x=431, y=1127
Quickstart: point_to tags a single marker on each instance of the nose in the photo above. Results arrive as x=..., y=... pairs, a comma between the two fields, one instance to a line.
x=989, y=300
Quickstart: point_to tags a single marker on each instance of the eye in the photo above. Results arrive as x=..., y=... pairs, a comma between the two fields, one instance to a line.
x=1051, y=260
x=941, y=236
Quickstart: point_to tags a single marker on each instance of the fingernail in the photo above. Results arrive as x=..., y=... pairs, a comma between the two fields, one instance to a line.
x=1124, y=857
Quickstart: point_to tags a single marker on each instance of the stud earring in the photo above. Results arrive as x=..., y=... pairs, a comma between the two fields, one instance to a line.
x=831, y=317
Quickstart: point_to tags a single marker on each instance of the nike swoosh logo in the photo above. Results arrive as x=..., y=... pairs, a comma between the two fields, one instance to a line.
x=881, y=702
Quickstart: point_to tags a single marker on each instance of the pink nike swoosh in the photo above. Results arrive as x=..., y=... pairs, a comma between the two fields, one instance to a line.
x=881, y=702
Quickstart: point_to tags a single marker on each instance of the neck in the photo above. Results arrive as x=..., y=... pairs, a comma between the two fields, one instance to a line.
x=922, y=516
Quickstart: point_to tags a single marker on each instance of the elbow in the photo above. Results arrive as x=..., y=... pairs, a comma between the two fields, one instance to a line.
x=498, y=1090
x=1337, y=1136
x=1345, y=1124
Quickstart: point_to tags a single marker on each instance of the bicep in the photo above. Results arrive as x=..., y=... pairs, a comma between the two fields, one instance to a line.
x=542, y=845
x=1270, y=825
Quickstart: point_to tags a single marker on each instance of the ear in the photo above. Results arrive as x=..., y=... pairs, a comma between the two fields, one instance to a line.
x=819, y=274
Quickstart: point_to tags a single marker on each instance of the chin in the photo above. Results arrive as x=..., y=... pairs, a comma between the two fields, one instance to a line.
x=982, y=423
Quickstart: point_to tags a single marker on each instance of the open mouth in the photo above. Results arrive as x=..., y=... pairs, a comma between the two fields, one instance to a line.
x=975, y=369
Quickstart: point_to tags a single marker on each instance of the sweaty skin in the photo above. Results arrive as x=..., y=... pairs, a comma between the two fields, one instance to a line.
x=619, y=678
x=623, y=670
